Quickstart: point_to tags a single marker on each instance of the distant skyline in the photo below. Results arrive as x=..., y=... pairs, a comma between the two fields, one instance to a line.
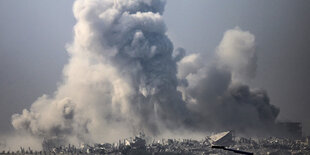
x=33, y=36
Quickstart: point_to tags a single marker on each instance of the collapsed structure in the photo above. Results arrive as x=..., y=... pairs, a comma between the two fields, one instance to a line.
x=223, y=138
x=221, y=143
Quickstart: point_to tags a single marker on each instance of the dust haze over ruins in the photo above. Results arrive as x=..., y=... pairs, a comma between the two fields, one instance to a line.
x=125, y=76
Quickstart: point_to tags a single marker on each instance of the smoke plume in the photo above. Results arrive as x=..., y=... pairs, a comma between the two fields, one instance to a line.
x=217, y=92
x=123, y=76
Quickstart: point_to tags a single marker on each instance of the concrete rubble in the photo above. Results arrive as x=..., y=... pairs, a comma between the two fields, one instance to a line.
x=145, y=145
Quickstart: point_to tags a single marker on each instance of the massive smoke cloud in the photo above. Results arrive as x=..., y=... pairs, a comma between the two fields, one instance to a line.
x=123, y=77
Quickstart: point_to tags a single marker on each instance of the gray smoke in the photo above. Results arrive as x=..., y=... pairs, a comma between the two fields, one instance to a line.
x=123, y=77
x=217, y=92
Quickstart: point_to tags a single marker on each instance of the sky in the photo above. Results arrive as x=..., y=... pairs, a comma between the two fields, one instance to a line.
x=34, y=35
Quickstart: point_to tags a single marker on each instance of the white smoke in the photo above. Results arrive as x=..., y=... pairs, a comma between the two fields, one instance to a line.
x=14, y=141
x=122, y=77
x=237, y=52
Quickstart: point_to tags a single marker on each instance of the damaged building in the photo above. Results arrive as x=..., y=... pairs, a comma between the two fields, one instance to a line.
x=220, y=143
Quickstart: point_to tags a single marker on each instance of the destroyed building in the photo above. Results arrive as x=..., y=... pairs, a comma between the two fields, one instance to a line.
x=223, y=138
x=224, y=143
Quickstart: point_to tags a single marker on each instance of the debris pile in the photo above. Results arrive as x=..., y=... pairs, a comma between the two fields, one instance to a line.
x=221, y=143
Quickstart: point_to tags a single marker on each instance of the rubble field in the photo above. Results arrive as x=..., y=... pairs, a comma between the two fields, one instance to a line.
x=222, y=143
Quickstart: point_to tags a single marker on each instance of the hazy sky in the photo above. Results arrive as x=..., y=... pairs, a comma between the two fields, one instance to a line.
x=33, y=35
